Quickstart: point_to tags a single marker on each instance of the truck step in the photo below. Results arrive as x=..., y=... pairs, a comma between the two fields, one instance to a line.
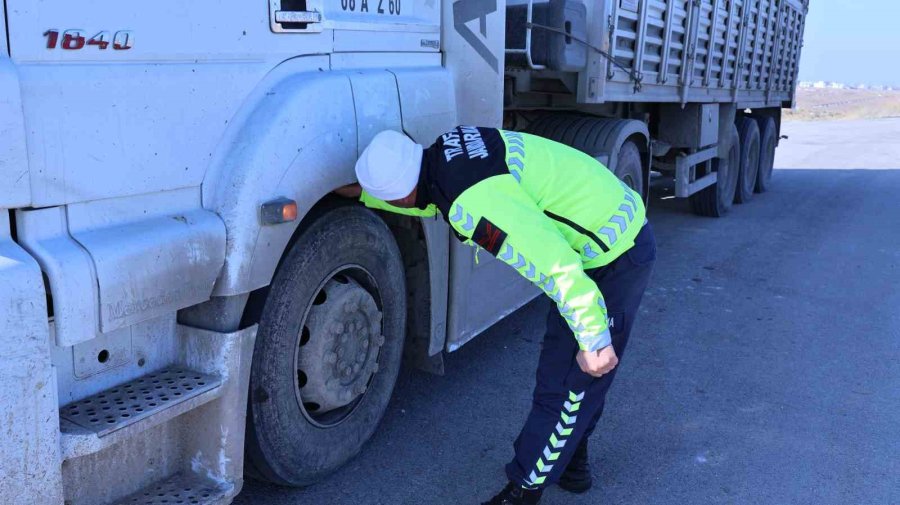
x=180, y=489
x=94, y=423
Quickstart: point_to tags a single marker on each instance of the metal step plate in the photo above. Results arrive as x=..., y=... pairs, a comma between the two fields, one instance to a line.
x=179, y=489
x=128, y=403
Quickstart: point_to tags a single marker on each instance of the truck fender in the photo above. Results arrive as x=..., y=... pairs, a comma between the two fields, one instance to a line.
x=629, y=129
x=287, y=140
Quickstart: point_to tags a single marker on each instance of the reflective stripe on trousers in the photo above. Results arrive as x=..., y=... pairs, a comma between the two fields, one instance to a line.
x=567, y=402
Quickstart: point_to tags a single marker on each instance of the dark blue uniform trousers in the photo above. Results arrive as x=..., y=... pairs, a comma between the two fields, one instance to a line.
x=568, y=402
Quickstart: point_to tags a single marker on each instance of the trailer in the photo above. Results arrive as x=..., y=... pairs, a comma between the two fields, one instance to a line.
x=688, y=70
x=184, y=301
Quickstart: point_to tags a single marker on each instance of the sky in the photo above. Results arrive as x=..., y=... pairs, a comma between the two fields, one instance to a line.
x=853, y=42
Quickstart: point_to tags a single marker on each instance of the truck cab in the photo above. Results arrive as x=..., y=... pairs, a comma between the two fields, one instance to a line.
x=183, y=299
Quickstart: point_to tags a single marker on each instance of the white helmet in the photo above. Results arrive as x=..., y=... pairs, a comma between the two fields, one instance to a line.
x=389, y=167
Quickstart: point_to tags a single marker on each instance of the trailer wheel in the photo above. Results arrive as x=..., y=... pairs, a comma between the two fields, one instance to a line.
x=749, y=170
x=328, y=348
x=768, y=141
x=716, y=200
x=628, y=167
x=599, y=138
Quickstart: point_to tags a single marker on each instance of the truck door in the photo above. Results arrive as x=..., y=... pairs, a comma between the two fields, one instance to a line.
x=484, y=291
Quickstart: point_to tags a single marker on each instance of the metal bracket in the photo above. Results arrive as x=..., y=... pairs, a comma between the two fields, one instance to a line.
x=529, y=19
x=685, y=186
x=296, y=21
x=298, y=17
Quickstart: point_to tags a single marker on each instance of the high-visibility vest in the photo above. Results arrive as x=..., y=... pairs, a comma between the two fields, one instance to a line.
x=546, y=209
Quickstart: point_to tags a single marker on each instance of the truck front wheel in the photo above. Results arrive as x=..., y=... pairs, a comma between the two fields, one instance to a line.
x=328, y=348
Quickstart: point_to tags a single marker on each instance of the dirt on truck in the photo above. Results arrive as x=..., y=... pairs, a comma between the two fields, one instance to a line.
x=183, y=301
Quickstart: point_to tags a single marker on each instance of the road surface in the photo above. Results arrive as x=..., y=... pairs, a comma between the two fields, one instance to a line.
x=765, y=367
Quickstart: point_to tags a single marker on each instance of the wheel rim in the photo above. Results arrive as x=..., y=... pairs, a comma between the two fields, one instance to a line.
x=629, y=181
x=338, y=347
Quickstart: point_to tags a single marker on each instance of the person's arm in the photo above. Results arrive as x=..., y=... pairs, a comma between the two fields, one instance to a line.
x=375, y=203
x=349, y=191
x=508, y=224
x=540, y=253
x=543, y=255
x=356, y=191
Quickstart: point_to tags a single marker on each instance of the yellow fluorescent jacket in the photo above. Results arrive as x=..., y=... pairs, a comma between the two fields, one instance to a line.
x=547, y=210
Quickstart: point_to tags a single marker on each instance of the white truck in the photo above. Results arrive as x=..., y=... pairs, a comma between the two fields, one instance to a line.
x=182, y=297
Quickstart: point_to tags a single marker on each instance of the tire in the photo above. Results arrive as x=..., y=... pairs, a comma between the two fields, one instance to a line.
x=347, y=255
x=768, y=140
x=629, y=168
x=596, y=137
x=716, y=200
x=749, y=170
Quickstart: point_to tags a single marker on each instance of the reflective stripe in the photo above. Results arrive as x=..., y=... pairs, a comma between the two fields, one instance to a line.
x=547, y=284
x=595, y=342
x=627, y=210
x=619, y=220
x=550, y=286
x=555, y=296
x=629, y=195
x=557, y=441
x=515, y=154
x=610, y=234
x=630, y=198
x=534, y=480
x=531, y=272
x=459, y=214
x=520, y=262
x=614, y=228
x=618, y=223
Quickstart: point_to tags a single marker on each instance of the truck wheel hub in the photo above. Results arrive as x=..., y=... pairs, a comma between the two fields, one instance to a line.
x=339, y=345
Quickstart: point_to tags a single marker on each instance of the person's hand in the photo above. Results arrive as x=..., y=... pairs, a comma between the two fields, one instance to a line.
x=349, y=191
x=597, y=363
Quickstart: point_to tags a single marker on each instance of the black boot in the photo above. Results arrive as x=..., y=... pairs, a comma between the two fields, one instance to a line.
x=514, y=494
x=577, y=477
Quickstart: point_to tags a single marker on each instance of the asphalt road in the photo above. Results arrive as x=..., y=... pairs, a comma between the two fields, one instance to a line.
x=765, y=367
